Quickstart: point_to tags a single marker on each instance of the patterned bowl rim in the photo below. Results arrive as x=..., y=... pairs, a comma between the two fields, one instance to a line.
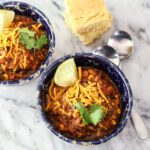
x=82, y=142
x=51, y=37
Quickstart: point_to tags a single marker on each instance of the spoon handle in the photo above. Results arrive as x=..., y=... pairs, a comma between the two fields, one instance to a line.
x=139, y=125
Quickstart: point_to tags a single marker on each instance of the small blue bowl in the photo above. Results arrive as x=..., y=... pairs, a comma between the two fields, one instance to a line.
x=28, y=10
x=89, y=60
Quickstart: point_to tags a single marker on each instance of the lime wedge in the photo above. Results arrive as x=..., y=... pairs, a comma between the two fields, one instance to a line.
x=66, y=73
x=6, y=18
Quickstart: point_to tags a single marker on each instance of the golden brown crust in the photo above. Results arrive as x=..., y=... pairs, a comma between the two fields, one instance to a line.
x=89, y=23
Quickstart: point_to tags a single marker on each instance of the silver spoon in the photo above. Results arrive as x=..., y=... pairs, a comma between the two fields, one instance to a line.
x=122, y=42
x=109, y=53
x=124, y=49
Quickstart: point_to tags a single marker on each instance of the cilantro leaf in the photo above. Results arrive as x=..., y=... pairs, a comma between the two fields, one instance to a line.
x=31, y=43
x=27, y=38
x=23, y=38
x=83, y=112
x=96, y=114
x=41, y=41
x=27, y=31
x=28, y=42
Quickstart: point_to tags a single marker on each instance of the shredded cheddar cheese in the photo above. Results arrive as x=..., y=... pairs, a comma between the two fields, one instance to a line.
x=88, y=95
x=12, y=52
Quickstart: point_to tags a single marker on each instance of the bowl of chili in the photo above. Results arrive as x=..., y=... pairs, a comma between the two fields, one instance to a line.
x=34, y=41
x=71, y=129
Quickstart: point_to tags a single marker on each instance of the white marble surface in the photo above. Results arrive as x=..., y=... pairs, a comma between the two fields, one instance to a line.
x=21, y=127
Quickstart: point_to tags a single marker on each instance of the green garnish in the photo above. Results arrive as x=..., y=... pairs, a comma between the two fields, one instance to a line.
x=27, y=38
x=42, y=40
x=95, y=114
x=27, y=41
x=83, y=112
x=27, y=31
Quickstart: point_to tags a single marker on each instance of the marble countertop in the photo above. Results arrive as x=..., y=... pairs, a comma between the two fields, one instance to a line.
x=21, y=127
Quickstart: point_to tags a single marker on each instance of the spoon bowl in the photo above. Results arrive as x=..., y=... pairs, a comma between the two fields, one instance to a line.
x=109, y=53
x=122, y=42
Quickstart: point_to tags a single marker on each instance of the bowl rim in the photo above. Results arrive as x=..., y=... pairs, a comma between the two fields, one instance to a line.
x=83, y=142
x=51, y=37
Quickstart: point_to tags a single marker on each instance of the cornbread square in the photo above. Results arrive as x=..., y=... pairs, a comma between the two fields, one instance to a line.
x=94, y=33
x=90, y=36
x=88, y=19
x=84, y=8
x=81, y=25
x=85, y=14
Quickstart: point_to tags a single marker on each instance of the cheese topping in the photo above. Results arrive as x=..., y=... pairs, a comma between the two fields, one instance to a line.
x=88, y=95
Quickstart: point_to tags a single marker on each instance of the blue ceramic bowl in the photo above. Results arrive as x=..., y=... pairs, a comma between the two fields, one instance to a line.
x=90, y=60
x=25, y=9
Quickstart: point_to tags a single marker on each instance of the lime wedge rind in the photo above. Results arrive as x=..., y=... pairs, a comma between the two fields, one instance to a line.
x=6, y=18
x=66, y=73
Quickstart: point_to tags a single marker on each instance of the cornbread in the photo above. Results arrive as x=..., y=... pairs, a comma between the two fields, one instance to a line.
x=88, y=19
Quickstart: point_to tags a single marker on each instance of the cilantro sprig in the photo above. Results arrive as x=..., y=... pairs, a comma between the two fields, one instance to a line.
x=42, y=40
x=94, y=115
x=83, y=112
x=28, y=39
